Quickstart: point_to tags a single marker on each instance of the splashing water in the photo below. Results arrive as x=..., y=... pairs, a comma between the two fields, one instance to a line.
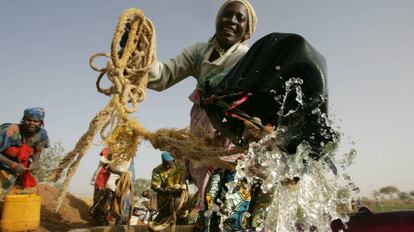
x=303, y=193
x=313, y=201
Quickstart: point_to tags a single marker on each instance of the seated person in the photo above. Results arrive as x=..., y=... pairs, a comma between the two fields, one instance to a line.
x=143, y=210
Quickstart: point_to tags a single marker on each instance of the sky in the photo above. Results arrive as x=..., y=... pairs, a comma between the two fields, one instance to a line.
x=368, y=45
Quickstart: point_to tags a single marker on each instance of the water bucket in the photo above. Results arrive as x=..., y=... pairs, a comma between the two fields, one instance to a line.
x=20, y=212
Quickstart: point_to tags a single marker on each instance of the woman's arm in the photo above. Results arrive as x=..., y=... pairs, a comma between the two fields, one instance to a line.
x=156, y=182
x=17, y=167
x=110, y=169
x=165, y=75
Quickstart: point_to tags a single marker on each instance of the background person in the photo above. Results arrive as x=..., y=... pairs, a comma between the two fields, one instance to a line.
x=167, y=183
x=143, y=209
x=102, y=196
x=20, y=148
x=105, y=179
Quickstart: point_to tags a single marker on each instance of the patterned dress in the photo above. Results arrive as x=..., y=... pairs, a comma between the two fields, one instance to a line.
x=194, y=61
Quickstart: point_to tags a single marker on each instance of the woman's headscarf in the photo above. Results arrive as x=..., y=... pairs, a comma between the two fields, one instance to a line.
x=251, y=14
x=166, y=156
x=35, y=113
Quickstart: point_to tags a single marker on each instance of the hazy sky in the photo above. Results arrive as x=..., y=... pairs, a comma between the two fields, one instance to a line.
x=368, y=45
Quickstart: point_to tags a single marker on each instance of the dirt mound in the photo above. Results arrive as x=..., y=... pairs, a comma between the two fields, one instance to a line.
x=72, y=214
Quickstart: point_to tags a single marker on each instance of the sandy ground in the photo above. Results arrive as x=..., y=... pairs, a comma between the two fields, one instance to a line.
x=72, y=214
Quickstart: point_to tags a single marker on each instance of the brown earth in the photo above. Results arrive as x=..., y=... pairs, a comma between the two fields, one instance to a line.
x=72, y=214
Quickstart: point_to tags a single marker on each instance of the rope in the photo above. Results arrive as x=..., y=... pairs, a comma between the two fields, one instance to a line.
x=172, y=219
x=127, y=70
x=183, y=144
x=123, y=186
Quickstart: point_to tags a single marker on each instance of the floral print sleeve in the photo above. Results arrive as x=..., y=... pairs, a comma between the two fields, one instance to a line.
x=10, y=136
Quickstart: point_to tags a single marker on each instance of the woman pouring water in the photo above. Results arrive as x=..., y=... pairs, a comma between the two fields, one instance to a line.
x=208, y=61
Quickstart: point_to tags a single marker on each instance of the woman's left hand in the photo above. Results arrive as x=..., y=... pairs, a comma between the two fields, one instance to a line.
x=34, y=167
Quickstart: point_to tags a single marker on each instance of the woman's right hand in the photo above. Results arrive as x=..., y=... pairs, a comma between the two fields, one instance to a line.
x=18, y=168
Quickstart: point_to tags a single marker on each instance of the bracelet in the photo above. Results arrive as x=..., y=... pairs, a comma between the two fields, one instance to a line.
x=13, y=165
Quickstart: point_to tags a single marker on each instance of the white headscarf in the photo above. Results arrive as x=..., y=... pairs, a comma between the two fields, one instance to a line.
x=251, y=14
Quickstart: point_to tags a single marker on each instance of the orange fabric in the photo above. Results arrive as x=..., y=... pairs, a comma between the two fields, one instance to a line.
x=27, y=179
x=12, y=151
x=102, y=177
x=23, y=153
x=104, y=153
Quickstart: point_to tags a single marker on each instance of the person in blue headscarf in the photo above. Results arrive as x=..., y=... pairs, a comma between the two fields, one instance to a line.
x=20, y=148
x=167, y=182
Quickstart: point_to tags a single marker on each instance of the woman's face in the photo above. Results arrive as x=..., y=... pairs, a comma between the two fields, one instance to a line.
x=232, y=24
x=31, y=125
x=168, y=164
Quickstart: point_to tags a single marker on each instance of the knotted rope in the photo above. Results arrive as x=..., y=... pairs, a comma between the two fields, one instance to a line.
x=128, y=69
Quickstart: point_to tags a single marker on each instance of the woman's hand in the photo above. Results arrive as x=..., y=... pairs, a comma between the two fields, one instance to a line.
x=34, y=167
x=253, y=133
x=18, y=168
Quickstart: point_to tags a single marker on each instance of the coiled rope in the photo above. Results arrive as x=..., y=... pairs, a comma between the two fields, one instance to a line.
x=128, y=69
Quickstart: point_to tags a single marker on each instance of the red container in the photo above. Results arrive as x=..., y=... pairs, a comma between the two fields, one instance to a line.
x=367, y=221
